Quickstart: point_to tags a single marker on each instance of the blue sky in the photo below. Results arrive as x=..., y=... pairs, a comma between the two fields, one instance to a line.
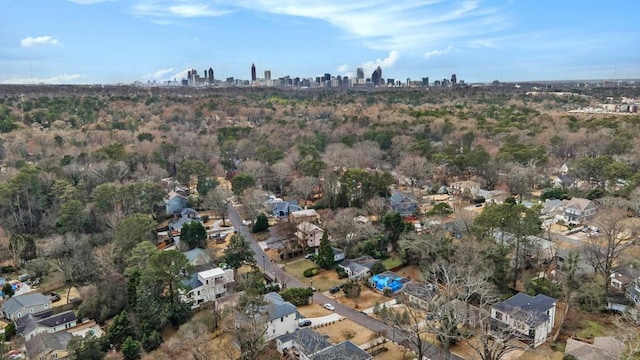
x=113, y=41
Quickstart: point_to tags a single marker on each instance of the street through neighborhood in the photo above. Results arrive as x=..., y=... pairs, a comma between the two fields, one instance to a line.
x=434, y=352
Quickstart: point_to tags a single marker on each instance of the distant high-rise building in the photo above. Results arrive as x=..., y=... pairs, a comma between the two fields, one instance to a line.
x=327, y=77
x=360, y=73
x=454, y=79
x=376, y=77
x=253, y=72
x=211, y=79
x=267, y=75
x=425, y=81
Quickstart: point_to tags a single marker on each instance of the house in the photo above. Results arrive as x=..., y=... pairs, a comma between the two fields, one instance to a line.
x=307, y=344
x=469, y=188
x=283, y=208
x=577, y=211
x=282, y=316
x=583, y=266
x=531, y=317
x=357, y=268
x=338, y=255
x=308, y=215
x=197, y=256
x=48, y=346
x=563, y=181
x=623, y=276
x=343, y=350
x=493, y=196
x=209, y=285
x=387, y=280
x=187, y=215
x=403, y=204
x=419, y=293
x=23, y=305
x=309, y=234
x=303, y=342
x=31, y=325
x=603, y=348
x=175, y=202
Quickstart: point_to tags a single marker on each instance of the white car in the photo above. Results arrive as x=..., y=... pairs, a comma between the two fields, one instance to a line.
x=329, y=307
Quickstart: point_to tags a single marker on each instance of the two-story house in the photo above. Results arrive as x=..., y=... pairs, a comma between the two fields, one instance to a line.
x=466, y=188
x=282, y=316
x=31, y=325
x=403, y=204
x=23, y=305
x=577, y=211
x=531, y=318
x=309, y=234
x=307, y=344
x=209, y=285
x=308, y=215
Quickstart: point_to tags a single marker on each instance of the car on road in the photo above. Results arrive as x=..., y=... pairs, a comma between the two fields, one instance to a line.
x=304, y=322
x=329, y=307
x=309, y=256
x=334, y=290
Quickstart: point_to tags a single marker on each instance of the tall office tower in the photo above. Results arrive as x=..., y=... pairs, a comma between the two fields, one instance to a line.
x=210, y=76
x=376, y=77
x=425, y=81
x=454, y=79
x=267, y=75
x=253, y=72
x=327, y=77
x=360, y=73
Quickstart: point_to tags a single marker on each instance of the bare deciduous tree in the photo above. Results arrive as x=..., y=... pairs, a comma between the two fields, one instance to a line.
x=281, y=173
x=303, y=186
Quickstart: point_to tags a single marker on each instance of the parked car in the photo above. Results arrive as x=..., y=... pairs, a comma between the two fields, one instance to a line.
x=334, y=289
x=329, y=307
x=309, y=256
x=304, y=322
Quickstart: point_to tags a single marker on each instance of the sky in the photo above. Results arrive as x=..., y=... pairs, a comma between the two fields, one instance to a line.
x=122, y=41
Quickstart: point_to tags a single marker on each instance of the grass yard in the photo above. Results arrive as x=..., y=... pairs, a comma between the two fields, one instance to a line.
x=325, y=280
x=543, y=351
x=411, y=272
x=313, y=310
x=394, y=352
x=590, y=329
x=392, y=262
x=368, y=298
x=346, y=330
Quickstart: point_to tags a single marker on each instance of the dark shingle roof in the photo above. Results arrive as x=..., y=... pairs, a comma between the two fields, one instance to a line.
x=277, y=307
x=531, y=310
x=346, y=350
x=47, y=342
x=192, y=281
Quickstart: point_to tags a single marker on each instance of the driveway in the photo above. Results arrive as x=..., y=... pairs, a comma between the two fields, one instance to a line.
x=433, y=351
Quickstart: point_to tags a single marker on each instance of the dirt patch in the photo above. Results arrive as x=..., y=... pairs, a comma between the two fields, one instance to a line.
x=346, y=330
x=368, y=299
x=411, y=272
x=543, y=351
x=217, y=247
x=394, y=352
x=73, y=294
x=313, y=310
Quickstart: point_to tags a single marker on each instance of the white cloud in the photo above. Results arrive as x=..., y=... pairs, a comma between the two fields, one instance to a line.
x=179, y=8
x=406, y=25
x=343, y=68
x=160, y=73
x=385, y=63
x=432, y=53
x=59, y=79
x=38, y=41
x=88, y=2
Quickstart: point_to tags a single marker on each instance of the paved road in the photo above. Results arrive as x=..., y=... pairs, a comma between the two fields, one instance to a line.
x=433, y=352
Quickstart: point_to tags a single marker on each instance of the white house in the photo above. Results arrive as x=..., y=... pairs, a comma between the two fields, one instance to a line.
x=577, y=210
x=282, y=316
x=31, y=325
x=532, y=317
x=309, y=234
x=209, y=285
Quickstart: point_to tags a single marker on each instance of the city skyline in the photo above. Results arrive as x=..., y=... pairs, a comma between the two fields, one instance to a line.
x=112, y=41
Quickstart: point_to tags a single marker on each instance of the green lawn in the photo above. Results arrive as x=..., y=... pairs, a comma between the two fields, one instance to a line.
x=325, y=280
x=392, y=262
x=590, y=329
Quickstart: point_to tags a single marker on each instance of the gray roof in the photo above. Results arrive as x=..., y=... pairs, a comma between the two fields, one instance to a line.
x=531, y=310
x=28, y=323
x=16, y=303
x=398, y=197
x=355, y=267
x=192, y=281
x=197, y=255
x=277, y=307
x=424, y=291
x=346, y=350
x=307, y=340
x=47, y=342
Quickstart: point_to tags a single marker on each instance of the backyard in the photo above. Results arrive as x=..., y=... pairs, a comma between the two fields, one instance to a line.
x=323, y=281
